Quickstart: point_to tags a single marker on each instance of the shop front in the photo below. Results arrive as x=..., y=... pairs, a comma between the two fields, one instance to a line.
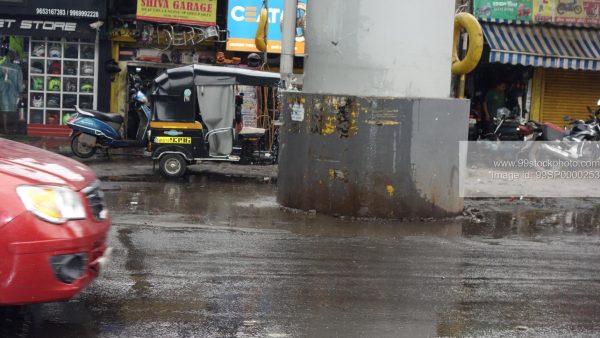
x=49, y=55
x=551, y=54
x=147, y=39
x=566, y=68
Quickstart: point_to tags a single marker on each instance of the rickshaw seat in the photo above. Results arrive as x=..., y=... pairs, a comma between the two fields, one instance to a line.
x=252, y=131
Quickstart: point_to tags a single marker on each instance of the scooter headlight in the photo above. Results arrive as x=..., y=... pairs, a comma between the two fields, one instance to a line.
x=52, y=204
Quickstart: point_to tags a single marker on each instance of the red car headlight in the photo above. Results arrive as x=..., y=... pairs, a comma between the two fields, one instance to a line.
x=52, y=204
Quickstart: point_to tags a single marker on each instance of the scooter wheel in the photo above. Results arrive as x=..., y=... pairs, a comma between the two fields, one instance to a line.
x=81, y=150
x=172, y=165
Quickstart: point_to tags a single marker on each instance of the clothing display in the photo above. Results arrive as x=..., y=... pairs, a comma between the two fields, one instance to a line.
x=11, y=84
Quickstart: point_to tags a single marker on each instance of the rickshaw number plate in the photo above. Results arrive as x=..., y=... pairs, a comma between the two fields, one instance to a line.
x=176, y=140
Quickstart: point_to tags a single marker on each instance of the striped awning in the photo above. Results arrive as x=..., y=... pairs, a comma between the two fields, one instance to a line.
x=542, y=46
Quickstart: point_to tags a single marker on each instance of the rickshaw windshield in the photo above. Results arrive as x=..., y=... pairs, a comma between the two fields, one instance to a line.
x=173, y=96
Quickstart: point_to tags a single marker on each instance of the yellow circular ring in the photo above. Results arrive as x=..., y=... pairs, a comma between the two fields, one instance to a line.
x=471, y=59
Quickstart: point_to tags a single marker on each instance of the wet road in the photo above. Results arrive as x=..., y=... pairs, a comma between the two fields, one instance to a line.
x=211, y=257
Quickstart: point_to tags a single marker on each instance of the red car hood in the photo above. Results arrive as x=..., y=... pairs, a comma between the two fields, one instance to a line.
x=39, y=166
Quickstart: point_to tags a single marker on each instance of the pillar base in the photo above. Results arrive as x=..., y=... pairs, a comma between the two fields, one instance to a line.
x=371, y=157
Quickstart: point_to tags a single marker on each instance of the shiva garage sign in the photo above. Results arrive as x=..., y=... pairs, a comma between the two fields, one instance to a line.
x=503, y=10
x=242, y=22
x=189, y=12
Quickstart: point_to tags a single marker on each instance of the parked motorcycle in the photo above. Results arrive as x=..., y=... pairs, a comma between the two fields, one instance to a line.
x=93, y=129
x=505, y=127
x=579, y=142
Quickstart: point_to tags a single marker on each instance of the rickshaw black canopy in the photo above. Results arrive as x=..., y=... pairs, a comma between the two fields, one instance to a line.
x=214, y=75
x=175, y=91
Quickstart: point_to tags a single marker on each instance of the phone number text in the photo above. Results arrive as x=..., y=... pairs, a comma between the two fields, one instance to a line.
x=67, y=12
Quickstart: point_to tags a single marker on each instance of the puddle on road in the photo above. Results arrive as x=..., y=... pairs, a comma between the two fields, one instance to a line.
x=533, y=217
x=236, y=202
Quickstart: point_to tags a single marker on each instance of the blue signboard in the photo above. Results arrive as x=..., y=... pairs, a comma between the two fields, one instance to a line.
x=242, y=23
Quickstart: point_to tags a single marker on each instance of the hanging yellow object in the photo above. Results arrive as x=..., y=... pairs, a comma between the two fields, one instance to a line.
x=471, y=59
x=261, y=32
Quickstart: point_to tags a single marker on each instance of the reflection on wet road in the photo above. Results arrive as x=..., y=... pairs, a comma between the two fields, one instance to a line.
x=219, y=258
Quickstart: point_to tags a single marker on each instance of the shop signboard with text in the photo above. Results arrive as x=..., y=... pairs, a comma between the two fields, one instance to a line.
x=188, y=12
x=567, y=12
x=68, y=9
x=503, y=10
x=242, y=22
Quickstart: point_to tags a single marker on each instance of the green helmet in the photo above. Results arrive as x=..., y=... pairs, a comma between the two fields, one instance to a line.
x=87, y=88
x=37, y=83
x=66, y=118
x=54, y=85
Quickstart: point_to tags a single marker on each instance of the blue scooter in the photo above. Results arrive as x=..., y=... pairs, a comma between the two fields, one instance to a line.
x=94, y=129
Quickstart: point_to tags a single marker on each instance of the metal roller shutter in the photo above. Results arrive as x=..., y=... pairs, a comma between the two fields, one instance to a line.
x=567, y=92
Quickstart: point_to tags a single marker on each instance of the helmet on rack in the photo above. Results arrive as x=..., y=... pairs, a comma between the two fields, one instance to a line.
x=54, y=68
x=176, y=56
x=66, y=117
x=88, y=53
x=39, y=50
x=37, y=67
x=71, y=52
x=254, y=60
x=52, y=101
x=87, y=88
x=37, y=83
x=70, y=70
x=54, y=51
x=37, y=101
x=87, y=69
x=70, y=85
x=54, y=84
x=85, y=105
x=69, y=101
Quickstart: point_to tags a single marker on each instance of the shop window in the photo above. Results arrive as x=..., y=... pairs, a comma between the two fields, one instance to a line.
x=53, y=117
x=36, y=116
x=69, y=101
x=60, y=76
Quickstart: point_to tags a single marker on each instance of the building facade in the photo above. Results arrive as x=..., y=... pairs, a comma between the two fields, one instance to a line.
x=51, y=54
x=547, y=51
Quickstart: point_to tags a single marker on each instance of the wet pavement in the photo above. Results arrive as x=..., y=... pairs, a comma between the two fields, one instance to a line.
x=215, y=256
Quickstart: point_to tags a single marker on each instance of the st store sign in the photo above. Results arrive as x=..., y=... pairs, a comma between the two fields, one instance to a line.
x=47, y=27
x=38, y=25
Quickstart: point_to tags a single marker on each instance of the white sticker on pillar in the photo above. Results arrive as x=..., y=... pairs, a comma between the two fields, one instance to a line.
x=298, y=112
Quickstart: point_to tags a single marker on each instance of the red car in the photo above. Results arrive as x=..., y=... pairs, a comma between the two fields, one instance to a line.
x=53, y=225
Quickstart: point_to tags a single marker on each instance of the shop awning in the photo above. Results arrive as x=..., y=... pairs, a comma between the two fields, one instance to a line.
x=541, y=46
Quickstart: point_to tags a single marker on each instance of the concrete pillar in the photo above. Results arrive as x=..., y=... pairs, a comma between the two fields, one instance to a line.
x=374, y=132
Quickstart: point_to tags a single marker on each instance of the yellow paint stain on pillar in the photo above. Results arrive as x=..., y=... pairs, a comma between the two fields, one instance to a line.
x=390, y=190
x=329, y=127
x=331, y=174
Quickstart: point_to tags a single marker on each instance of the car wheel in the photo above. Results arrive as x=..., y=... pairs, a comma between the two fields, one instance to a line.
x=172, y=165
x=81, y=150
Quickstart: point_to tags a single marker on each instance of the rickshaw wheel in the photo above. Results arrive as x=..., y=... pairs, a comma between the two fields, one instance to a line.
x=172, y=165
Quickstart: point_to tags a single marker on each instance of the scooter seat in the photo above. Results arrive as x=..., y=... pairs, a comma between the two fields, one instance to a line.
x=110, y=117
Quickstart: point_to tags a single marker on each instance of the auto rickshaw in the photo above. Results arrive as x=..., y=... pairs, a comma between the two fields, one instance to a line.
x=194, y=109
